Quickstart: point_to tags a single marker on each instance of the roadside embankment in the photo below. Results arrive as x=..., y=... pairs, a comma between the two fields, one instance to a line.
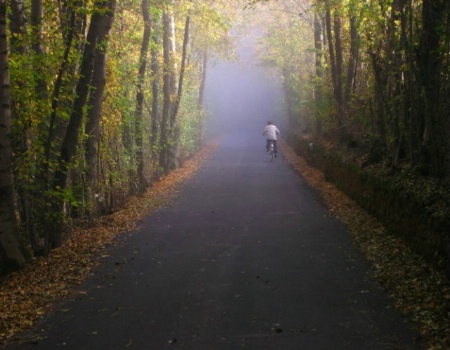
x=409, y=265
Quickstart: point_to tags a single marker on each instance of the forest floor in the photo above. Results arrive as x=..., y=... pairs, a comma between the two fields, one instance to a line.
x=418, y=291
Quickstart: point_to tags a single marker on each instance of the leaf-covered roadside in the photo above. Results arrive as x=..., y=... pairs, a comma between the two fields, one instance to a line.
x=418, y=291
x=26, y=295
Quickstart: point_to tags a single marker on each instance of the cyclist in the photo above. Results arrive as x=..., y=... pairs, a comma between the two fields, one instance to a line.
x=271, y=132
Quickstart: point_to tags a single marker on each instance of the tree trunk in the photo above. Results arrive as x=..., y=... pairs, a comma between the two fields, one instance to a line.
x=155, y=89
x=73, y=27
x=336, y=63
x=165, y=119
x=172, y=50
x=17, y=26
x=338, y=92
x=380, y=100
x=96, y=97
x=140, y=97
x=434, y=107
x=70, y=142
x=19, y=47
x=333, y=64
x=11, y=255
x=201, y=91
x=37, y=15
x=70, y=36
x=318, y=85
x=330, y=42
x=174, y=154
x=352, y=62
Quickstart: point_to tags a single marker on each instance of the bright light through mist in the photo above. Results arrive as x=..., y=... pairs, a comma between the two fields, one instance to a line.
x=242, y=95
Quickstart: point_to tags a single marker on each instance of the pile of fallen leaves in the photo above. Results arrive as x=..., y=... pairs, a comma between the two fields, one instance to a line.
x=419, y=292
x=26, y=295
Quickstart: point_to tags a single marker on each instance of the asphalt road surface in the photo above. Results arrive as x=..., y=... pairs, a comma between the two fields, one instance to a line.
x=246, y=258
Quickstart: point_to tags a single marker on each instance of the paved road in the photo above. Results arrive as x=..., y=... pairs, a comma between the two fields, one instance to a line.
x=248, y=257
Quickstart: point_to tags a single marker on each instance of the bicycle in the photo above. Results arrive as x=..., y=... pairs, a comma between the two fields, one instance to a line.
x=272, y=150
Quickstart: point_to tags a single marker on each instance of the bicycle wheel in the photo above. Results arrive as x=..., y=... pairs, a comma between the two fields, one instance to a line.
x=271, y=152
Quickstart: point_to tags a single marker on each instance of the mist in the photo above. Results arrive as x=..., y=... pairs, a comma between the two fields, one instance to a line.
x=242, y=95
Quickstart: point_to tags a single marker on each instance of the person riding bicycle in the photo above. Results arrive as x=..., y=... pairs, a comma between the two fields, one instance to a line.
x=271, y=132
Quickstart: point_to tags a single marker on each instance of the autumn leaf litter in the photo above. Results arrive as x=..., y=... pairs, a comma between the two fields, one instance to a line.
x=418, y=291
x=27, y=295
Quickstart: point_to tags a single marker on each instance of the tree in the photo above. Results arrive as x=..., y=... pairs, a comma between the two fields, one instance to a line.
x=155, y=110
x=97, y=87
x=385, y=71
x=100, y=24
x=11, y=254
x=169, y=86
x=79, y=119
x=174, y=127
x=140, y=95
x=318, y=79
x=435, y=106
x=335, y=50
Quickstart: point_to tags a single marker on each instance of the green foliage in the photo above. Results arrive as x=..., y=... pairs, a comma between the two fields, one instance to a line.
x=386, y=99
x=43, y=93
x=66, y=195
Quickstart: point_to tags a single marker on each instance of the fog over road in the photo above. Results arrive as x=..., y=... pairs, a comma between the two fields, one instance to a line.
x=242, y=95
x=246, y=257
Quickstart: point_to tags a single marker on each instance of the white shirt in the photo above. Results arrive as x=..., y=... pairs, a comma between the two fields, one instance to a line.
x=271, y=132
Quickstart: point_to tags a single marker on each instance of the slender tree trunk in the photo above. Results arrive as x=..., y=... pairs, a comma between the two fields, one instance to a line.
x=165, y=120
x=177, y=102
x=330, y=42
x=140, y=96
x=175, y=146
x=37, y=15
x=333, y=64
x=318, y=85
x=173, y=69
x=155, y=66
x=11, y=255
x=31, y=197
x=338, y=93
x=417, y=122
x=96, y=96
x=19, y=47
x=336, y=63
x=380, y=100
x=435, y=106
x=40, y=187
x=201, y=93
x=352, y=62
x=17, y=26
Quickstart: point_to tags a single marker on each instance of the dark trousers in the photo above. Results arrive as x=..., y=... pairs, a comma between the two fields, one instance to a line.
x=274, y=145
